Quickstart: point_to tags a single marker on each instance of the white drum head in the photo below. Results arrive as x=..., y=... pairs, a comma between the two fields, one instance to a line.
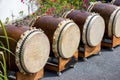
x=34, y=53
x=116, y=24
x=69, y=40
x=95, y=30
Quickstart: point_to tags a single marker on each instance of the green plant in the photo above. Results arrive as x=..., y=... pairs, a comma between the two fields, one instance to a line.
x=3, y=64
x=5, y=52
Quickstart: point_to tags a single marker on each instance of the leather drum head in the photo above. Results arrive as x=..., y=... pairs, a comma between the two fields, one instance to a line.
x=93, y=30
x=32, y=51
x=67, y=38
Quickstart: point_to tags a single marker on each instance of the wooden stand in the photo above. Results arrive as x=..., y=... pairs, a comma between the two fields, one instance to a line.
x=111, y=43
x=86, y=51
x=62, y=64
x=36, y=76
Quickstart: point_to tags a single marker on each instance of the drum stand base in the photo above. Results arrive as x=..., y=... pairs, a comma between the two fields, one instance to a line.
x=62, y=64
x=86, y=51
x=111, y=43
x=36, y=76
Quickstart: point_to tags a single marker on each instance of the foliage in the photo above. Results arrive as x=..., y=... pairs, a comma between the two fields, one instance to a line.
x=3, y=72
x=58, y=7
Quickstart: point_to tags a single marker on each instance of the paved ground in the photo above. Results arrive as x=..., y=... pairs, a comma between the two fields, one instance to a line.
x=103, y=67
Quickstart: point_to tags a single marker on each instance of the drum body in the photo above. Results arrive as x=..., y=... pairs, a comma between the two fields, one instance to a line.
x=30, y=56
x=111, y=15
x=64, y=35
x=116, y=2
x=91, y=25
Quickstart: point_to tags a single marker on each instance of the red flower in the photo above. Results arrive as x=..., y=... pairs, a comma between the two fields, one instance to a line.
x=33, y=13
x=22, y=1
x=86, y=6
x=71, y=6
x=85, y=1
x=53, y=0
x=52, y=9
x=64, y=7
x=49, y=11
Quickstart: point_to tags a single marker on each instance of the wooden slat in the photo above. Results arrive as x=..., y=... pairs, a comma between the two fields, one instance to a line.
x=36, y=76
x=88, y=51
x=62, y=63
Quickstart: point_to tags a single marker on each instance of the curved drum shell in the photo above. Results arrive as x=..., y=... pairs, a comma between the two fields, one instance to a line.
x=85, y=21
x=14, y=33
x=116, y=2
x=110, y=13
x=59, y=32
x=28, y=54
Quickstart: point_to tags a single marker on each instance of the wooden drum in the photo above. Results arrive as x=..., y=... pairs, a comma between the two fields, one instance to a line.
x=116, y=2
x=111, y=15
x=64, y=35
x=91, y=24
x=31, y=48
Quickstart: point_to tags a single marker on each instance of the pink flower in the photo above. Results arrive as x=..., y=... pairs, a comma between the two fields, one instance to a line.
x=49, y=11
x=21, y=0
x=86, y=6
x=53, y=0
x=85, y=1
x=33, y=13
x=52, y=9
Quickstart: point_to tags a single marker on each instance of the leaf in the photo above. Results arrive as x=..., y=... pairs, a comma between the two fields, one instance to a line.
x=5, y=33
x=7, y=50
x=8, y=38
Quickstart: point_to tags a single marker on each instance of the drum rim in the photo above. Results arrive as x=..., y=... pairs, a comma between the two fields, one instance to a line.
x=56, y=36
x=86, y=28
x=111, y=23
x=61, y=38
x=66, y=13
x=114, y=23
x=95, y=16
x=113, y=1
x=19, y=50
x=92, y=5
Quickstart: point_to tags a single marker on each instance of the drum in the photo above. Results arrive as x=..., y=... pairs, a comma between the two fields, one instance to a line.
x=30, y=46
x=63, y=34
x=116, y=2
x=91, y=24
x=111, y=15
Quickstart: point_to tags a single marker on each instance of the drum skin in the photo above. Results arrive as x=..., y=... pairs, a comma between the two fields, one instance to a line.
x=87, y=23
x=30, y=57
x=105, y=11
x=43, y=22
x=111, y=15
x=14, y=33
x=59, y=31
x=116, y=2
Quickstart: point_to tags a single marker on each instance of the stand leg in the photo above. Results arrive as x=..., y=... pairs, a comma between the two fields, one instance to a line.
x=85, y=59
x=112, y=49
x=99, y=53
x=72, y=66
x=59, y=73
